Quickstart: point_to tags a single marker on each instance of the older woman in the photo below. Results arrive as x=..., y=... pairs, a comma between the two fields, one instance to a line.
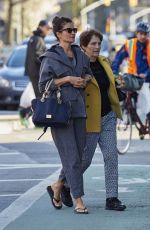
x=102, y=108
x=69, y=68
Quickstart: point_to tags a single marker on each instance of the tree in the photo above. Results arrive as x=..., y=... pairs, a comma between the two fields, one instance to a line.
x=11, y=4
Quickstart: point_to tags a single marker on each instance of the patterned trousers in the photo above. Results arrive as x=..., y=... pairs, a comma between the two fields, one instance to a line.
x=108, y=144
x=107, y=141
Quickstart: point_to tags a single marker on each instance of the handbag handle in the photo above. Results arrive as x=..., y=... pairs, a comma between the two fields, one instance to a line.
x=47, y=92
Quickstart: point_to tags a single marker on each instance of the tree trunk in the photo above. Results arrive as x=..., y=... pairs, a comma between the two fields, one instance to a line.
x=9, y=21
x=11, y=4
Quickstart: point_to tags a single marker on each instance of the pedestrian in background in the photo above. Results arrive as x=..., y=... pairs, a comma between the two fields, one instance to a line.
x=69, y=68
x=35, y=48
x=137, y=53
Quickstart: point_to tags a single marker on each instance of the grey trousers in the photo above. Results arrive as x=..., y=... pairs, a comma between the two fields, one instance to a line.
x=108, y=144
x=70, y=142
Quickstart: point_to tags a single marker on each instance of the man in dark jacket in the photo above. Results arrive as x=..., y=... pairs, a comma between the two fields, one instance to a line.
x=36, y=47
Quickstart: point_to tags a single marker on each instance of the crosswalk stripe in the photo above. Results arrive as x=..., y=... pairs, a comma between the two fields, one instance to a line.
x=19, y=180
x=11, y=153
x=8, y=195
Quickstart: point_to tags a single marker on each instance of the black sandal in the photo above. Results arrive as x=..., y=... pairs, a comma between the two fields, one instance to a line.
x=51, y=194
x=81, y=210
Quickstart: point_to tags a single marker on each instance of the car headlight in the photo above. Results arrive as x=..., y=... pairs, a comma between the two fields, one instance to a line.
x=4, y=82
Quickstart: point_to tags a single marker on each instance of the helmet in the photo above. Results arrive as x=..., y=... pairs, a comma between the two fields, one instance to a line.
x=143, y=27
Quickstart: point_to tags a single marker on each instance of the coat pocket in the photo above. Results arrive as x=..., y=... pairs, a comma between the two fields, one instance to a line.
x=69, y=93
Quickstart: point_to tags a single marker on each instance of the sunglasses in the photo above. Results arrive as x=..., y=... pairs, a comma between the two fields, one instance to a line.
x=70, y=30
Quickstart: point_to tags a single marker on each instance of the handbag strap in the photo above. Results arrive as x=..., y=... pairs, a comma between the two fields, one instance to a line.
x=47, y=92
x=48, y=84
x=44, y=131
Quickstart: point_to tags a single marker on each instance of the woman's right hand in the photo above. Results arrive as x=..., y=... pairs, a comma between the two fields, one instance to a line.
x=77, y=82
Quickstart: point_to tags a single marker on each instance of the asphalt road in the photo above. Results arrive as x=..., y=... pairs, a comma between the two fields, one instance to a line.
x=27, y=165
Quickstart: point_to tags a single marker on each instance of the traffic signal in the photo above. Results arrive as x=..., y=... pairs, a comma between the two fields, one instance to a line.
x=133, y=3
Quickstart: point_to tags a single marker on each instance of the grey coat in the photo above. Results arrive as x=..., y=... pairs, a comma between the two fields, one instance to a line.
x=55, y=64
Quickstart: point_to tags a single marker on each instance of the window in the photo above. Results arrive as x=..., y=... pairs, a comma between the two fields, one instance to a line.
x=17, y=58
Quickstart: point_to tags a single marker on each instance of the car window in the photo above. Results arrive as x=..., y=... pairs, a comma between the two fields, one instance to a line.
x=17, y=58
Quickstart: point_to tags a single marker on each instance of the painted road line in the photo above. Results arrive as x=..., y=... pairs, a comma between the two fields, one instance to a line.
x=124, y=181
x=7, y=154
x=20, y=180
x=25, y=201
x=23, y=166
x=123, y=165
x=129, y=151
x=120, y=190
x=7, y=195
x=26, y=166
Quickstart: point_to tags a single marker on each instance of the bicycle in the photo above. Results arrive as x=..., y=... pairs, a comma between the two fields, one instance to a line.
x=129, y=118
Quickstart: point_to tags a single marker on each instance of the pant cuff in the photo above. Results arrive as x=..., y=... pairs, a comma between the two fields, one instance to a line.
x=79, y=195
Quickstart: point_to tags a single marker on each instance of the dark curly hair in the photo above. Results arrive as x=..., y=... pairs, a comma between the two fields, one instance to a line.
x=86, y=36
x=58, y=24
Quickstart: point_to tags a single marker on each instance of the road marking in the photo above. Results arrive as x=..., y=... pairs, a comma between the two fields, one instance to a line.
x=25, y=201
x=133, y=180
x=123, y=165
x=26, y=166
x=7, y=195
x=7, y=154
x=124, y=181
x=18, y=180
x=33, y=166
x=120, y=190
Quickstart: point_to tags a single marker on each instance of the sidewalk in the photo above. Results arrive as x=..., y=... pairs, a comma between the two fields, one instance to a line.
x=134, y=191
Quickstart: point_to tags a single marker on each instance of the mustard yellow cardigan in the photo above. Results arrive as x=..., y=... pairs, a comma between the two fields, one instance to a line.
x=93, y=99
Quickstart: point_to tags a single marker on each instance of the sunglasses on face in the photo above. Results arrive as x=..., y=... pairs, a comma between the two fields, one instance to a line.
x=70, y=30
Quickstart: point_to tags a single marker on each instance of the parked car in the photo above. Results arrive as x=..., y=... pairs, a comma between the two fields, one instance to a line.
x=12, y=78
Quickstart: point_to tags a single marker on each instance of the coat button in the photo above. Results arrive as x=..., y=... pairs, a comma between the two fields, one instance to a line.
x=87, y=106
x=88, y=94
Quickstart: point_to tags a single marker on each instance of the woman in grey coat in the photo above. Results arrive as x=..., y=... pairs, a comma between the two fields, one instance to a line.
x=69, y=68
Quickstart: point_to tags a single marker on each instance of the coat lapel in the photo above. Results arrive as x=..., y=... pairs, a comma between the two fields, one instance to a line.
x=62, y=57
x=103, y=61
x=94, y=82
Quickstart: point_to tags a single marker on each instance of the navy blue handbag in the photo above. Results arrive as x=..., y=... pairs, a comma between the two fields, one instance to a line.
x=50, y=111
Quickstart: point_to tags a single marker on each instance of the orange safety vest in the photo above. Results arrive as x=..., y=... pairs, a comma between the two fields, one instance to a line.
x=131, y=47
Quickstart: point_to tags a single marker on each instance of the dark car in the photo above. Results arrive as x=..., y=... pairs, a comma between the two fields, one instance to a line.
x=12, y=78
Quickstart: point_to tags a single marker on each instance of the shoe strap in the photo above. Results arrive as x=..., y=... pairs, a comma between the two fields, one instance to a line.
x=56, y=200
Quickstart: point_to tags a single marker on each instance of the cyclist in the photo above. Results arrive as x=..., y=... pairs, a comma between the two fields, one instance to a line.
x=137, y=52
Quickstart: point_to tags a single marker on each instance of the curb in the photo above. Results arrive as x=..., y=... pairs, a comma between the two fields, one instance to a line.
x=9, y=122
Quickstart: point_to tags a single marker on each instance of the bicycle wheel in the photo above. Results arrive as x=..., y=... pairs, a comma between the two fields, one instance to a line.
x=124, y=132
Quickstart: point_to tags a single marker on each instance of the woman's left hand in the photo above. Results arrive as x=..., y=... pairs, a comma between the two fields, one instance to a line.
x=120, y=82
x=82, y=85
